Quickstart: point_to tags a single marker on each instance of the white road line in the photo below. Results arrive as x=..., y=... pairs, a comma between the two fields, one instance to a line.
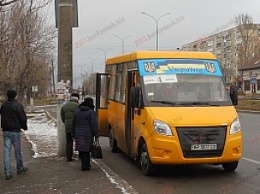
x=115, y=179
x=251, y=160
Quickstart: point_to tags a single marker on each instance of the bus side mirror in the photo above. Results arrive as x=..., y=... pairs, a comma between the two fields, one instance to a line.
x=233, y=95
x=136, y=99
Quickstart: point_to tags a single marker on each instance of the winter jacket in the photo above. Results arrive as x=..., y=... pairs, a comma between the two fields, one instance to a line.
x=13, y=116
x=67, y=114
x=84, y=128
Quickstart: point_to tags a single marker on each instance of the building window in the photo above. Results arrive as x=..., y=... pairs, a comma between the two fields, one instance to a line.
x=227, y=66
x=247, y=85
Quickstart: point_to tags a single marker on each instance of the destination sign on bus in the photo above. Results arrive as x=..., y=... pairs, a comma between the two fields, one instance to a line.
x=167, y=66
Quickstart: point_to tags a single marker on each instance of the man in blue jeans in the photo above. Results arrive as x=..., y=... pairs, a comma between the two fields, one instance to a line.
x=13, y=119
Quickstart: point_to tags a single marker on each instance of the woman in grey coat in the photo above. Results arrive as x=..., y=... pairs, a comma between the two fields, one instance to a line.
x=84, y=126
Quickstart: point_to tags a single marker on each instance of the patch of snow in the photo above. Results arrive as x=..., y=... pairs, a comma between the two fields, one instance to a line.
x=42, y=134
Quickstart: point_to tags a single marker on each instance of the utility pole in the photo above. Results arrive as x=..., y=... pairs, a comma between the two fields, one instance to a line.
x=53, y=79
x=65, y=13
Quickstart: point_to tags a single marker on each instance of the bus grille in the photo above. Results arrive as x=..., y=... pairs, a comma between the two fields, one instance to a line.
x=195, y=139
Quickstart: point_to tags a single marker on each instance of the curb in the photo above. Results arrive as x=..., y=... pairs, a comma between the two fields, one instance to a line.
x=249, y=111
x=51, y=117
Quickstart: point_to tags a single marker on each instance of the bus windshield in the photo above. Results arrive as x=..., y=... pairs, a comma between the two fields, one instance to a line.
x=196, y=82
x=185, y=89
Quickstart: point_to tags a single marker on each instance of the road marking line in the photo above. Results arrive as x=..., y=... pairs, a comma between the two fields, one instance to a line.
x=251, y=160
x=115, y=179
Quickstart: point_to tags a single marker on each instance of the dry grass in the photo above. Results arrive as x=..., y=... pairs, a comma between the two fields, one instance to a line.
x=42, y=102
x=248, y=105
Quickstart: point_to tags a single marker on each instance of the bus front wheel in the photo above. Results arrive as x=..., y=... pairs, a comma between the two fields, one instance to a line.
x=230, y=167
x=147, y=167
x=112, y=142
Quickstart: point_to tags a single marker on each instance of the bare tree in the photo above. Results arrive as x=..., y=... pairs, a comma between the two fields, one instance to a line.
x=26, y=44
x=6, y=2
x=246, y=28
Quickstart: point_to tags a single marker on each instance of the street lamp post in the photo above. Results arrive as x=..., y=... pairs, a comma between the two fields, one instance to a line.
x=91, y=76
x=157, y=25
x=92, y=61
x=105, y=52
x=82, y=83
x=123, y=41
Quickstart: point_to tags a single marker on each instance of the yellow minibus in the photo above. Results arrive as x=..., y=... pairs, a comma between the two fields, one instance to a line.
x=168, y=108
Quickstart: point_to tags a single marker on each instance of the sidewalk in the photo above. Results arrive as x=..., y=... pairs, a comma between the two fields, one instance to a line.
x=53, y=175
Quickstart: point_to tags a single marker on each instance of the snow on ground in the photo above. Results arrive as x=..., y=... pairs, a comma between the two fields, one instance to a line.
x=42, y=134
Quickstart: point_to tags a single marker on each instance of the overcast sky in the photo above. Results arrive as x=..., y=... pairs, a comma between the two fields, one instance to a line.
x=189, y=20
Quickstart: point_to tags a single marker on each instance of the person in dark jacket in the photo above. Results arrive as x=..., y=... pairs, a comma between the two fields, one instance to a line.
x=67, y=112
x=84, y=130
x=233, y=93
x=13, y=119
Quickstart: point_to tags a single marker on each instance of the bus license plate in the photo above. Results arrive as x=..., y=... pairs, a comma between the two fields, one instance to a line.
x=204, y=147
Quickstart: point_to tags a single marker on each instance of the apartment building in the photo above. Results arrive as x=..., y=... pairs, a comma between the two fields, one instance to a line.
x=227, y=47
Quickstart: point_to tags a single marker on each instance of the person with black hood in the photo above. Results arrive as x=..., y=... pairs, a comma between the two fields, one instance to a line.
x=67, y=112
x=85, y=128
x=13, y=119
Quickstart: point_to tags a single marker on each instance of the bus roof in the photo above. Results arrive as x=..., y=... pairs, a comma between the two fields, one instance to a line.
x=160, y=55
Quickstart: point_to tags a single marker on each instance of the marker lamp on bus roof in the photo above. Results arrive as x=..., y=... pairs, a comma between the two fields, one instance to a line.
x=162, y=128
x=235, y=127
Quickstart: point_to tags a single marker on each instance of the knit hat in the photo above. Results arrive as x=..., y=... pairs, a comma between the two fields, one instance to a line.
x=74, y=95
x=11, y=94
x=88, y=101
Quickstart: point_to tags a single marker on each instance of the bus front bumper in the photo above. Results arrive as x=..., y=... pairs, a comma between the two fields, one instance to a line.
x=166, y=151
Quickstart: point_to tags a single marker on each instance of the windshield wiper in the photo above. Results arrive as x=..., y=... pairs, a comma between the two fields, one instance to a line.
x=165, y=102
x=199, y=104
x=184, y=103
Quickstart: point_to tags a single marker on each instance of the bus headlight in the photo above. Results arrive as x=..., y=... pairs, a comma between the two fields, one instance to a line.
x=162, y=128
x=235, y=127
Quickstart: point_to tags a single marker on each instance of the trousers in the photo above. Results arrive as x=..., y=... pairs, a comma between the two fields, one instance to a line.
x=69, y=146
x=12, y=139
x=85, y=160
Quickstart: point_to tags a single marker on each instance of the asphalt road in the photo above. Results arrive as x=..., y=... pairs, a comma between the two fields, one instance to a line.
x=197, y=179
x=202, y=179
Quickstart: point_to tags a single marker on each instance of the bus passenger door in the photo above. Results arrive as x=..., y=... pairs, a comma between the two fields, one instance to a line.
x=132, y=79
x=102, y=85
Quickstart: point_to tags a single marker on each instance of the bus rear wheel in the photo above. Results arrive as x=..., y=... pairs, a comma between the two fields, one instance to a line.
x=146, y=165
x=112, y=142
x=230, y=167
